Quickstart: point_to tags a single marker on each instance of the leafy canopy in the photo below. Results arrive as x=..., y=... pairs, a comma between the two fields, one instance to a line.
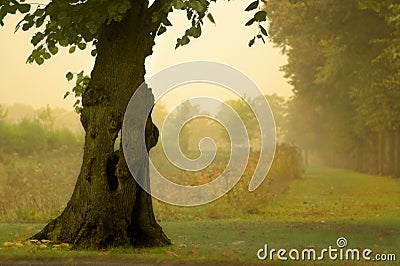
x=76, y=23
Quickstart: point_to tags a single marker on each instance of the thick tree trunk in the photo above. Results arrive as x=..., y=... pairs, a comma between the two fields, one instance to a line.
x=107, y=207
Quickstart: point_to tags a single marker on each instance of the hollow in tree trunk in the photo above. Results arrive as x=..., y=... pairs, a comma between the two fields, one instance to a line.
x=107, y=207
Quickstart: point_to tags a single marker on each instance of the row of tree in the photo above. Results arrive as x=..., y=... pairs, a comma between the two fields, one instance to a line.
x=343, y=62
x=199, y=124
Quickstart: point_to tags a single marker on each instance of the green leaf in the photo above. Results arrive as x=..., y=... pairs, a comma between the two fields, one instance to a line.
x=27, y=26
x=24, y=8
x=161, y=30
x=178, y=4
x=198, y=6
x=63, y=42
x=39, y=12
x=211, y=18
x=252, y=6
x=194, y=31
x=197, y=32
x=251, y=21
x=260, y=16
x=66, y=94
x=39, y=21
x=2, y=16
x=37, y=38
x=39, y=60
x=92, y=27
x=82, y=46
x=263, y=30
x=46, y=55
x=251, y=42
x=182, y=41
x=69, y=76
x=166, y=22
x=12, y=9
x=72, y=49
x=53, y=49
x=80, y=74
x=189, y=14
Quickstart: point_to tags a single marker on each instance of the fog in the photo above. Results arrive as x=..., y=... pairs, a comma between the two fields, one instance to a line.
x=225, y=42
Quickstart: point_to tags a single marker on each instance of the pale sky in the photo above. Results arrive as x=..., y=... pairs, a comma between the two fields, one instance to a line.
x=226, y=42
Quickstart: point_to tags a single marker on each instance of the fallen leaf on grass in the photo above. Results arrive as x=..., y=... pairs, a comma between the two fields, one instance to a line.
x=19, y=244
x=64, y=245
x=226, y=254
x=42, y=246
x=193, y=251
x=7, y=244
x=237, y=250
x=171, y=253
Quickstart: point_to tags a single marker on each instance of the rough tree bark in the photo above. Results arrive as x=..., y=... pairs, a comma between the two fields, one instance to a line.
x=107, y=207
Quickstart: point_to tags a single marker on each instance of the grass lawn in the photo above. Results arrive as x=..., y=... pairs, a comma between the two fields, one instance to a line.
x=312, y=214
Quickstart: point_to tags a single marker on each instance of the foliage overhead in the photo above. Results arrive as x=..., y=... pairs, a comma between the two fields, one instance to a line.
x=343, y=62
x=77, y=23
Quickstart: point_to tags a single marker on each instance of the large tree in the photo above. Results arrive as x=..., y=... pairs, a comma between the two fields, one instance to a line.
x=107, y=207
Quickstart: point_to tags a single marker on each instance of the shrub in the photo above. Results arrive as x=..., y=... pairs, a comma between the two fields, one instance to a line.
x=29, y=137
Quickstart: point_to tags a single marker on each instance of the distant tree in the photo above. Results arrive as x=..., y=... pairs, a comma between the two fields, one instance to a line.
x=183, y=112
x=46, y=117
x=159, y=114
x=247, y=116
x=279, y=107
x=242, y=108
x=3, y=112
